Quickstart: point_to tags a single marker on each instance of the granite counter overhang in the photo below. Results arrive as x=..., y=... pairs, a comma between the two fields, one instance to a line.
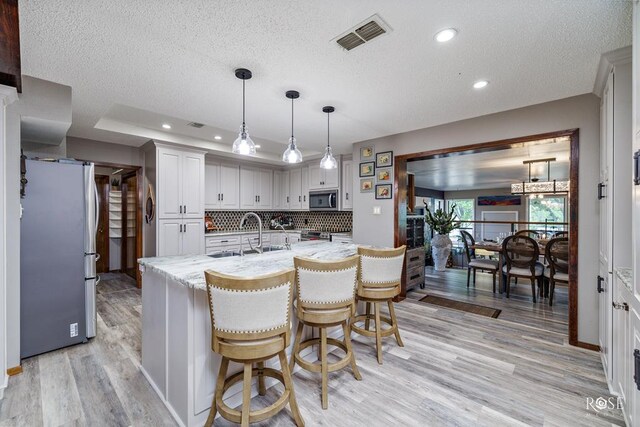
x=189, y=270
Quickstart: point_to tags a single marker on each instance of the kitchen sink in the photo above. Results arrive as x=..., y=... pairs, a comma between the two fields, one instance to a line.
x=226, y=254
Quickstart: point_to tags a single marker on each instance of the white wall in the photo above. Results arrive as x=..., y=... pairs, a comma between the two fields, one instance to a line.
x=98, y=151
x=576, y=112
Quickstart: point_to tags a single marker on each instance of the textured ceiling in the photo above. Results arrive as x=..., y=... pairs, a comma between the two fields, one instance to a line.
x=493, y=169
x=176, y=59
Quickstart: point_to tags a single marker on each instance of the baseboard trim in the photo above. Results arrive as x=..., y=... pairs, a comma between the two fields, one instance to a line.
x=586, y=345
x=14, y=371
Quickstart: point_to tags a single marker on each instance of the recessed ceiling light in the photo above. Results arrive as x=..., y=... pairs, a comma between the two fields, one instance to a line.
x=445, y=35
x=166, y=125
x=480, y=84
x=217, y=137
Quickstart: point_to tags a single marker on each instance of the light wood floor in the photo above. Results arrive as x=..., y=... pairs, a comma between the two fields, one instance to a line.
x=455, y=369
x=518, y=308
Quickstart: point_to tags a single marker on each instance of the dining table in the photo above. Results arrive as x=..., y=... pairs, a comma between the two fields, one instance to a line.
x=497, y=248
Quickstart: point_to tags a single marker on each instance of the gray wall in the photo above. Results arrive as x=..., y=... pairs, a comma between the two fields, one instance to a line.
x=581, y=112
x=98, y=151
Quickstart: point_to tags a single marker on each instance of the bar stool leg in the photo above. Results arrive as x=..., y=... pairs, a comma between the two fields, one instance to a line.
x=347, y=343
x=296, y=346
x=324, y=368
x=394, y=321
x=368, y=312
x=288, y=385
x=262, y=390
x=222, y=374
x=378, y=332
x=246, y=394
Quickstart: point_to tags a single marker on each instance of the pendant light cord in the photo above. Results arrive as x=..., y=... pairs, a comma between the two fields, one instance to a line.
x=243, y=100
x=328, y=130
x=291, y=117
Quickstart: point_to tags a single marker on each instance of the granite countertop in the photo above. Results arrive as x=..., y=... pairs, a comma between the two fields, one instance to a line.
x=189, y=270
x=626, y=276
x=230, y=233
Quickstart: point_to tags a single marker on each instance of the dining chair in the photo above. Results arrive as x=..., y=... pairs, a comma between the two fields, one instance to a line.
x=250, y=324
x=325, y=298
x=474, y=263
x=521, y=254
x=379, y=281
x=530, y=233
x=557, y=269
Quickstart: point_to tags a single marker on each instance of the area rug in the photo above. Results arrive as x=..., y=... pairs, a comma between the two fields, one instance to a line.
x=462, y=306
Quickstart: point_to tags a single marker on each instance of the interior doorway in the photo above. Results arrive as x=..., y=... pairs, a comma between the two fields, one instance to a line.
x=102, y=235
x=498, y=148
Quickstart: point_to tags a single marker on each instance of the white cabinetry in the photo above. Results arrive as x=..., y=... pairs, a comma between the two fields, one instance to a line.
x=180, y=201
x=347, y=185
x=295, y=189
x=222, y=186
x=320, y=179
x=305, y=188
x=256, y=188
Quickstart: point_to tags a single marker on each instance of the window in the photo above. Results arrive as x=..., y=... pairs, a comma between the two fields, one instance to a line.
x=548, y=209
x=464, y=210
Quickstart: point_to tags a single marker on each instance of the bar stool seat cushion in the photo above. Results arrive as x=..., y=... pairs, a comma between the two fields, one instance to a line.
x=488, y=264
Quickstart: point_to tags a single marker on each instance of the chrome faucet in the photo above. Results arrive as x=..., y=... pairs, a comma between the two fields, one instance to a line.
x=242, y=222
x=287, y=244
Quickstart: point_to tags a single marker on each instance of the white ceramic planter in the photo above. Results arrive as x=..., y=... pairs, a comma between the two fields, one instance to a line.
x=440, y=249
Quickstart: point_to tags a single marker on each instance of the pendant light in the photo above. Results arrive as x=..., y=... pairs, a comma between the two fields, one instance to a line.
x=292, y=154
x=243, y=144
x=328, y=161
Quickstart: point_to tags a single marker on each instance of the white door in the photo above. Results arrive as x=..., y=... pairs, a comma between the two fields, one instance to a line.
x=248, y=194
x=192, y=237
x=212, y=186
x=347, y=185
x=315, y=177
x=229, y=187
x=277, y=190
x=192, y=185
x=169, y=184
x=264, y=186
x=305, y=187
x=169, y=237
x=331, y=177
x=605, y=278
x=295, y=186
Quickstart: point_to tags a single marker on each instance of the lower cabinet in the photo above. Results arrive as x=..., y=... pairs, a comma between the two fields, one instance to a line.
x=180, y=237
x=414, y=268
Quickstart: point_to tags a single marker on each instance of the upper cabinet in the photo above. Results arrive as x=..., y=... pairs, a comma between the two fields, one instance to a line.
x=295, y=188
x=305, y=187
x=347, y=185
x=281, y=190
x=180, y=183
x=320, y=179
x=222, y=186
x=256, y=188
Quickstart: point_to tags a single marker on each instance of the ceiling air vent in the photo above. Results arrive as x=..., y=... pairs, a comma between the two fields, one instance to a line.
x=365, y=31
x=195, y=125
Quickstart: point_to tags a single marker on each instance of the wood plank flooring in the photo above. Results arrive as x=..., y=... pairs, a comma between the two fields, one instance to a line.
x=518, y=308
x=456, y=369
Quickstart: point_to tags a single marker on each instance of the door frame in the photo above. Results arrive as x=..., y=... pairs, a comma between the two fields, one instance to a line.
x=400, y=205
x=104, y=209
x=140, y=190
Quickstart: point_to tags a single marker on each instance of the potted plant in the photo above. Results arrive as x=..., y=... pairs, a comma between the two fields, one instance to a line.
x=442, y=223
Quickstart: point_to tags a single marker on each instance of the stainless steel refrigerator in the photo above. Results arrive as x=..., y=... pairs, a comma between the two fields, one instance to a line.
x=58, y=256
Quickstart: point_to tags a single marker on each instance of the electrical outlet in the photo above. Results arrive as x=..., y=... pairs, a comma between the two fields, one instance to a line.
x=73, y=330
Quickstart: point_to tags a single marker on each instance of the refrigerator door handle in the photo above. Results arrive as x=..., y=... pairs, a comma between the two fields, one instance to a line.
x=98, y=278
x=95, y=190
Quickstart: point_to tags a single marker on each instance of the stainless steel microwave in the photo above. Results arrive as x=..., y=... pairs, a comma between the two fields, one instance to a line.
x=324, y=200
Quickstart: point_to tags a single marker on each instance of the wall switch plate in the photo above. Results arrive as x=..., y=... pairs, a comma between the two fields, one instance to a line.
x=73, y=330
x=377, y=210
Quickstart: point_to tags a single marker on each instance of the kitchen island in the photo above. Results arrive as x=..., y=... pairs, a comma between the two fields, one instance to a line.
x=176, y=328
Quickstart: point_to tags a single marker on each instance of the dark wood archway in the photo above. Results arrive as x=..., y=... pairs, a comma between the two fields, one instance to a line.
x=400, y=205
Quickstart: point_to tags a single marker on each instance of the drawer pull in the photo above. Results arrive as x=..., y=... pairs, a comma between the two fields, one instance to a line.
x=415, y=276
x=224, y=241
x=415, y=258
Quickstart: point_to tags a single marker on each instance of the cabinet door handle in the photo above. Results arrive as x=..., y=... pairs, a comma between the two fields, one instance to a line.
x=218, y=196
x=636, y=168
x=299, y=198
x=180, y=228
x=304, y=198
x=180, y=208
x=601, y=191
x=185, y=209
x=287, y=199
x=222, y=196
x=347, y=194
x=620, y=306
x=258, y=199
x=600, y=288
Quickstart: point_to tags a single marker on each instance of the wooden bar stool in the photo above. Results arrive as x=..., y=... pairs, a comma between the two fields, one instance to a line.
x=250, y=324
x=379, y=282
x=325, y=298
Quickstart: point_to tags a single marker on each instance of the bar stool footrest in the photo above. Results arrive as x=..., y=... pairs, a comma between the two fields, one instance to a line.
x=372, y=332
x=315, y=366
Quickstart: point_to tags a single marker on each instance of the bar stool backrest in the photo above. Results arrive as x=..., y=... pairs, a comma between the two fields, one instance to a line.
x=326, y=284
x=380, y=269
x=249, y=309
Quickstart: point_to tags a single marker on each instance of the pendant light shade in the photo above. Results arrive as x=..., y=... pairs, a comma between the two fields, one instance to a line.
x=243, y=144
x=292, y=154
x=328, y=161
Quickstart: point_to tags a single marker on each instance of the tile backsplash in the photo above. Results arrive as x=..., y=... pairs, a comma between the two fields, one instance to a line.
x=322, y=221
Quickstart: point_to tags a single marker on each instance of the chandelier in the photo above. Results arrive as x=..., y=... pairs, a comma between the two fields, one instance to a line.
x=535, y=186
